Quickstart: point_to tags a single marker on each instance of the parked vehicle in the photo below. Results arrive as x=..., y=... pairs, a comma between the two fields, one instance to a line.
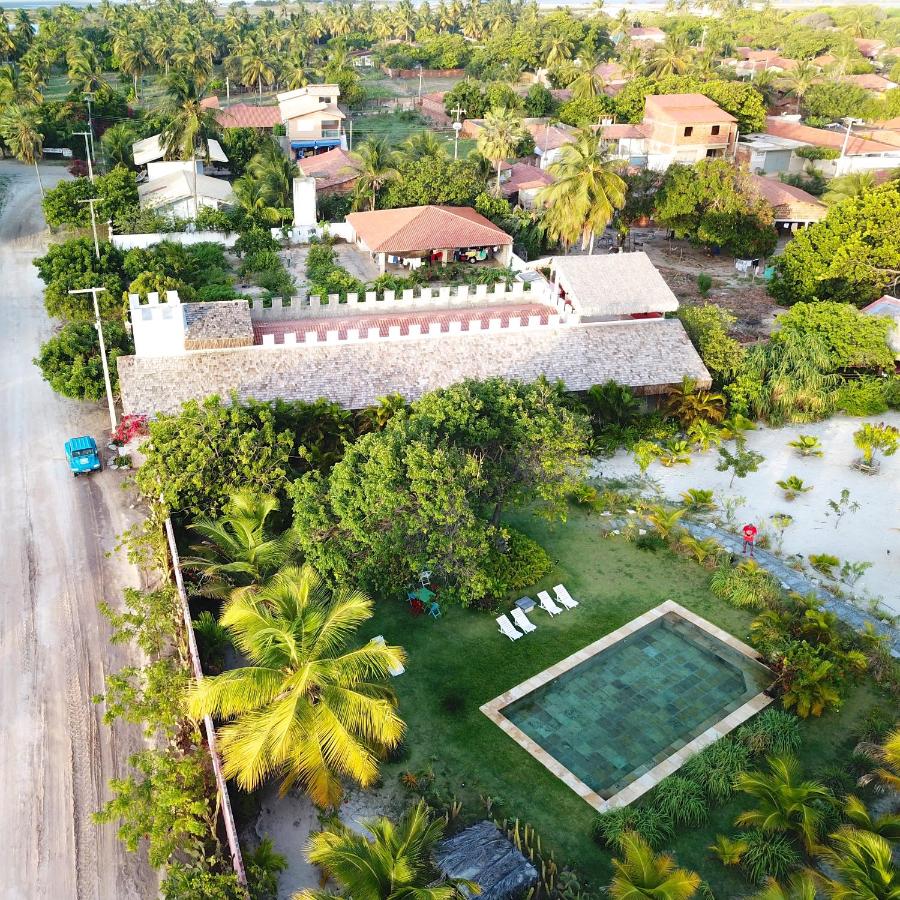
x=83, y=456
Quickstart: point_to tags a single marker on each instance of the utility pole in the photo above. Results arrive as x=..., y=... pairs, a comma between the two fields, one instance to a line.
x=94, y=291
x=850, y=123
x=87, y=150
x=350, y=141
x=457, y=127
x=91, y=203
x=89, y=96
x=227, y=88
x=420, y=83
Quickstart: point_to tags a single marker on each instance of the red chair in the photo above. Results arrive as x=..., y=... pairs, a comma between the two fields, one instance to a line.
x=417, y=607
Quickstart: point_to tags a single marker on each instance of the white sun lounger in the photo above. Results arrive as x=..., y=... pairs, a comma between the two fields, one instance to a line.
x=396, y=670
x=507, y=628
x=565, y=597
x=548, y=604
x=522, y=620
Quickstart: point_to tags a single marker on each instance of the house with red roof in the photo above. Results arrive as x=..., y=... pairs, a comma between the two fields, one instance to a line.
x=334, y=171
x=414, y=235
x=244, y=115
x=870, y=47
x=521, y=182
x=876, y=84
x=648, y=37
x=791, y=206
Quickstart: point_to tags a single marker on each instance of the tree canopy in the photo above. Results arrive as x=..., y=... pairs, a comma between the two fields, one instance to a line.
x=852, y=255
x=429, y=490
x=433, y=180
x=117, y=192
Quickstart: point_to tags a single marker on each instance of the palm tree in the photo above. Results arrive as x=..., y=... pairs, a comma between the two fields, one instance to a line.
x=386, y=862
x=16, y=87
x=255, y=65
x=784, y=803
x=801, y=79
x=304, y=708
x=799, y=887
x=887, y=825
x=887, y=776
x=642, y=873
x=19, y=126
x=863, y=865
x=672, y=58
x=266, y=187
x=117, y=142
x=499, y=136
x=848, y=187
x=376, y=164
x=557, y=48
x=191, y=124
x=584, y=194
x=422, y=145
x=240, y=549
x=587, y=84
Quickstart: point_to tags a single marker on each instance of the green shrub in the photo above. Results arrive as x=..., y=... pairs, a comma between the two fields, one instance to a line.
x=256, y=240
x=746, y=585
x=704, y=283
x=654, y=825
x=608, y=827
x=651, y=541
x=773, y=732
x=862, y=396
x=215, y=292
x=824, y=562
x=892, y=392
x=260, y=261
x=524, y=563
x=768, y=855
x=681, y=800
x=715, y=768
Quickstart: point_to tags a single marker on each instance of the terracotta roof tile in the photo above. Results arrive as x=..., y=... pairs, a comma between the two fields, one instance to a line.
x=820, y=137
x=243, y=115
x=523, y=175
x=417, y=229
x=685, y=108
x=331, y=168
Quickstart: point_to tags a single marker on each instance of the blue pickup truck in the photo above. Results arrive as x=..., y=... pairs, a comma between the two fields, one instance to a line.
x=83, y=456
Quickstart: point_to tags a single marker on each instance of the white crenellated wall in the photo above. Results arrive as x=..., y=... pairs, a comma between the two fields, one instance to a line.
x=428, y=299
x=157, y=326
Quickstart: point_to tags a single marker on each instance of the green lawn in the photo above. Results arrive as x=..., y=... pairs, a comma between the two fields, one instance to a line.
x=460, y=661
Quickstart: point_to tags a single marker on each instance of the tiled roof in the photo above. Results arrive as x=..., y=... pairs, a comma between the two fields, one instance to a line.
x=685, y=108
x=610, y=71
x=523, y=175
x=651, y=32
x=549, y=137
x=243, y=115
x=647, y=355
x=825, y=60
x=614, y=284
x=331, y=168
x=621, y=130
x=870, y=82
x=869, y=46
x=821, y=137
x=210, y=102
x=787, y=198
x=420, y=228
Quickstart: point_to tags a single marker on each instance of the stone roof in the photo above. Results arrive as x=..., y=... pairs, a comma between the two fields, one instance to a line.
x=483, y=854
x=647, y=355
x=414, y=229
x=613, y=284
x=209, y=326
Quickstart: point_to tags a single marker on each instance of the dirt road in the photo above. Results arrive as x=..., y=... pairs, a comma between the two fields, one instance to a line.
x=56, y=755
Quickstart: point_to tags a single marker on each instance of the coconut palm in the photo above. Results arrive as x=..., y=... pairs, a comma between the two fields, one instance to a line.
x=19, y=126
x=784, y=802
x=385, y=862
x=117, y=142
x=190, y=125
x=265, y=189
x=801, y=79
x=500, y=134
x=255, y=65
x=584, y=194
x=305, y=708
x=672, y=58
x=587, y=84
x=240, y=548
x=16, y=87
x=422, y=145
x=799, y=887
x=863, y=866
x=886, y=777
x=557, y=48
x=848, y=187
x=376, y=165
x=643, y=873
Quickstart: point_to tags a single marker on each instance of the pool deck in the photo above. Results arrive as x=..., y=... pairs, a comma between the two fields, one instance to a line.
x=493, y=710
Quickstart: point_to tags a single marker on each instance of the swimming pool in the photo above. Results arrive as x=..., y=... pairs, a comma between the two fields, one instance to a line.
x=619, y=715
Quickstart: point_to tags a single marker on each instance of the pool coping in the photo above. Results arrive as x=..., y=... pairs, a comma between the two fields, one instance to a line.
x=642, y=784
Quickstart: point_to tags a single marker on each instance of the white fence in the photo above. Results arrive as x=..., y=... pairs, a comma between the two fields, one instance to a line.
x=132, y=241
x=415, y=330
x=427, y=300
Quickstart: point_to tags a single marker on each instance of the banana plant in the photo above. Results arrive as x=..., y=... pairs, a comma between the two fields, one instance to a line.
x=793, y=486
x=807, y=445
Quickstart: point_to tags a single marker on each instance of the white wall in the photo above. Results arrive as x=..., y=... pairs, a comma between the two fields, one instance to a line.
x=130, y=241
x=157, y=327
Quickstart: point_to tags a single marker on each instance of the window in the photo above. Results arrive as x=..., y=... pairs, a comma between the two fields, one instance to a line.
x=688, y=131
x=715, y=129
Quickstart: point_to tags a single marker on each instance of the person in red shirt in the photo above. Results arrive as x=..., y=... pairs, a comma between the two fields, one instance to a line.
x=749, y=532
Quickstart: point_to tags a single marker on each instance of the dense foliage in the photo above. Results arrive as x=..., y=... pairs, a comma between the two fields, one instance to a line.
x=117, y=192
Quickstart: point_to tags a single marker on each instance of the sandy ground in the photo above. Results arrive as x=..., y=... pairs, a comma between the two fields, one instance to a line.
x=872, y=534
x=56, y=755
